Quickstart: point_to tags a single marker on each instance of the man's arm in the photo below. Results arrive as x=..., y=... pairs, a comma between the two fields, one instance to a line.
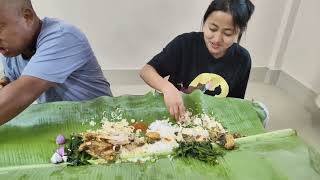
x=19, y=94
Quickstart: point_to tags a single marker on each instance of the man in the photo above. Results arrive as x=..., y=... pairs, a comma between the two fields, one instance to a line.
x=47, y=60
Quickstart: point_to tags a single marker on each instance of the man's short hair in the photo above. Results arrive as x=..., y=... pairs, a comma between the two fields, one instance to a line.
x=21, y=3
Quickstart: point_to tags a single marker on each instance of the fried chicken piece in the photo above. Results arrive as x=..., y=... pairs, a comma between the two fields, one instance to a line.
x=99, y=149
x=230, y=142
x=152, y=137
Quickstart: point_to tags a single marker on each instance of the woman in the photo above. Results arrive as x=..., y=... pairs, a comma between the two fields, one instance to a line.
x=211, y=60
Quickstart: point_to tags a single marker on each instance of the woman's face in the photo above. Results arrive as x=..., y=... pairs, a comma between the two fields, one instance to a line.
x=219, y=33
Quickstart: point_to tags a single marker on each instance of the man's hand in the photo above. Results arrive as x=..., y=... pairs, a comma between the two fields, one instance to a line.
x=4, y=81
x=19, y=94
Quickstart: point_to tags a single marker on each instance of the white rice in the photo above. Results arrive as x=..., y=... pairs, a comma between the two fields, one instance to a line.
x=165, y=128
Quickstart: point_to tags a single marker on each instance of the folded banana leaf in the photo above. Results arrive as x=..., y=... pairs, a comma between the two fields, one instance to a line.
x=28, y=141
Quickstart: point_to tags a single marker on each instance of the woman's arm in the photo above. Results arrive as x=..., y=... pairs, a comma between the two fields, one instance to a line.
x=172, y=95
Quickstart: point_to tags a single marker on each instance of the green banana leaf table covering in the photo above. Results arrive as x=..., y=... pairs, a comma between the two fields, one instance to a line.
x=28, y=142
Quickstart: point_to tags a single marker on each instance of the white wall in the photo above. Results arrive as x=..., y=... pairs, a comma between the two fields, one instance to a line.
x=125, y=34
x=301, y=59
x=263, y=29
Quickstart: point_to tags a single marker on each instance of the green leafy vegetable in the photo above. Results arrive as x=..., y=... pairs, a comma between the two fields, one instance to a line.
x=76, y=158
x=202, y=151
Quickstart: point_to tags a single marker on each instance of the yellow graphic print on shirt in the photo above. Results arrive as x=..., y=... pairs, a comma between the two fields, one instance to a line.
x=215, y=84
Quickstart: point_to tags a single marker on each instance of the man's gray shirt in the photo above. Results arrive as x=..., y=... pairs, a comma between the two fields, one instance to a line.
x=63, y=56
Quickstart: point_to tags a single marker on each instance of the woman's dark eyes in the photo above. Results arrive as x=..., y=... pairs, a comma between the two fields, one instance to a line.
x=227, y=34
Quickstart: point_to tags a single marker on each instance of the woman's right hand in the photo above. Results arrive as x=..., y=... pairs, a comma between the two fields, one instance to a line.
x=173, y=101
x=172, y=96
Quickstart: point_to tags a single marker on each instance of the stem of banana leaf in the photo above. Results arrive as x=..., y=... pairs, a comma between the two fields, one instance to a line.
x=264, y=137
x=314, y=159
x=239, y=141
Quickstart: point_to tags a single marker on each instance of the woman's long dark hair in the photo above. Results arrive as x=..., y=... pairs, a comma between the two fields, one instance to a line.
x=240, y=10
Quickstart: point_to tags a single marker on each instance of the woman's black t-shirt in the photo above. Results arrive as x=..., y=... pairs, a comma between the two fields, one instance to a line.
x=190, y=66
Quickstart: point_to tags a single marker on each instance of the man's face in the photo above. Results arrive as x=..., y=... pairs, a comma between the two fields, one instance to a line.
x=15, y=31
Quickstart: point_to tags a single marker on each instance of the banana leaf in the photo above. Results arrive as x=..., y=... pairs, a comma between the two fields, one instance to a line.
x=28, y=141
